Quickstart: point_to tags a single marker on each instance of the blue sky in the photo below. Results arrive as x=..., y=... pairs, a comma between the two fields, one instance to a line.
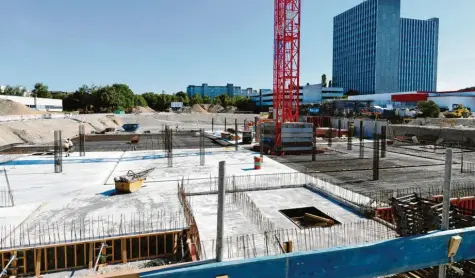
x=156, y=45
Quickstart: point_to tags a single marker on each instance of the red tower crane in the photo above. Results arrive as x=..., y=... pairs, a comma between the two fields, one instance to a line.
x=286, y=64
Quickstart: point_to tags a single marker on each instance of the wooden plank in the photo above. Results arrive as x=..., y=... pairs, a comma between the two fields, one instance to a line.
x=24, y=261
x=15, y=264
x=85, y=257
x=75, y=256
x=91, y=255
x=124, y=250
x=55, y=257
x=113, y=253
x=165, y=244
x=46, y=259
x=148, y=246
x=38, y=262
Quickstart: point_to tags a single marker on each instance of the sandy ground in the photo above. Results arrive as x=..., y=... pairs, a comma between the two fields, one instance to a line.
x=41, y=131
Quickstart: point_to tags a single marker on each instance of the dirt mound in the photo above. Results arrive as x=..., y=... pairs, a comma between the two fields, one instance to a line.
x=215, y=108
x=197, y=109
x=229, y=109
x=142, y=109
x=9, y=107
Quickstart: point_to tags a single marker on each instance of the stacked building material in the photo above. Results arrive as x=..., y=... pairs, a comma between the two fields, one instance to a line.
x=297, y=137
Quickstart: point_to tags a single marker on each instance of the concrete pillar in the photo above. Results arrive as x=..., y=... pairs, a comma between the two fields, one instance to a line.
x=220, y=225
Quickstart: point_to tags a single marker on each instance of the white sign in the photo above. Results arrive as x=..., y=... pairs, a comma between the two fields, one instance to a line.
x=177, y=104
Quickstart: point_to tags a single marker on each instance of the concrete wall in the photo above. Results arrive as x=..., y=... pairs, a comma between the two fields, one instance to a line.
x=368, y=126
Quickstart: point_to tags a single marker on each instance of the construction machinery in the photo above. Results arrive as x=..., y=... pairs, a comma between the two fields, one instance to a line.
x=458, y=111
x=131, y=182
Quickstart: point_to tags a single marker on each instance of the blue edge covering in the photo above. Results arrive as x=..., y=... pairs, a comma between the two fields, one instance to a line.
x=369, y=260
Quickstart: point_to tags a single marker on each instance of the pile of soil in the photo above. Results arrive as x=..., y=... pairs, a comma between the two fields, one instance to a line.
x=142, y=109
x=197, y=109
x=215, y=108
x=9, y=107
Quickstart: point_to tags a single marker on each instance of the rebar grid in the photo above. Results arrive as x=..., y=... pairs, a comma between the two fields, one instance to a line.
x=37, y=233
x=270, y=243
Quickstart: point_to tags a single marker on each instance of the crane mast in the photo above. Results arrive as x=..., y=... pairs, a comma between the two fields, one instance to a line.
x=286, y=85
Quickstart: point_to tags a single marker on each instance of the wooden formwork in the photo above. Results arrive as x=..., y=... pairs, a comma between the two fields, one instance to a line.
x=76, y=255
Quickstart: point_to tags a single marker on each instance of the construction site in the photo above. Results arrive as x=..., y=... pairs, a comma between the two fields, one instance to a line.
x=237, y=195
x=109, y=208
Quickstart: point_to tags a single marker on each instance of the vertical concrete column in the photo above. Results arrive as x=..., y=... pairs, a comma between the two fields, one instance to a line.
x=361, y=140
x=383, y=141
x=376, y=157
x=221, y=194
x=236, y=133
x=339, y=128
x=314, y=142
x=212, y=124
x=225, y=127
x=446, y=200
x=261, y=143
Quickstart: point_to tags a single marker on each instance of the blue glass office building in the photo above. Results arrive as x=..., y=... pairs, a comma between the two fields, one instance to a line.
x=213, y=91
x=418, y=56
x=368, y=42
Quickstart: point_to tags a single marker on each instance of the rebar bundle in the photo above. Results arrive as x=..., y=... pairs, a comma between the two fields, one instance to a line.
x=252, y=211
x=58, y=152
x=6, y=195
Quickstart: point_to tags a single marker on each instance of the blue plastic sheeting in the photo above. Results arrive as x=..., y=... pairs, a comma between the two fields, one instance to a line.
x=370, y=260
x=96, y=160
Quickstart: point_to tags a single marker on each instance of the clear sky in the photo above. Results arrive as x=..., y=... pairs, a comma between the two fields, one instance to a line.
x=156, y=45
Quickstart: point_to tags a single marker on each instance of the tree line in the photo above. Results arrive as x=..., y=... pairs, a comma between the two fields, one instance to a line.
x=103, y=99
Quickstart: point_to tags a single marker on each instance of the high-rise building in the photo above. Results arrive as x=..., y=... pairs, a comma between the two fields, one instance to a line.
x=368, y=45
x=418, y=56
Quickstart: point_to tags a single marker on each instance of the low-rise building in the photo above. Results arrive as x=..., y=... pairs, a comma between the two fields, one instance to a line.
x=213, y=91
x=445, y=100
x=309, y=94
x=41, y=104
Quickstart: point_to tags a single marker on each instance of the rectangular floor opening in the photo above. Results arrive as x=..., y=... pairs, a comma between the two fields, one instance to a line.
x=309, y=217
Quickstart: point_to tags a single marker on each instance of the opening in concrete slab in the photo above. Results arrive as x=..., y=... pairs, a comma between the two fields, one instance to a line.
x=309, y=217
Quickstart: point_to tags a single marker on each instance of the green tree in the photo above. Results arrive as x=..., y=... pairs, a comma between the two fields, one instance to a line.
x=216, y=101
x=125, y=95
x=139, y=100
x=324, y=80
x=151, y=100
x=183, y=97
x=206, y=100
x=225, y=100
x=428, y=109
x=41, y=90
x=196, y=99
x=107, y=99
x=13, y=91
x=330, y=83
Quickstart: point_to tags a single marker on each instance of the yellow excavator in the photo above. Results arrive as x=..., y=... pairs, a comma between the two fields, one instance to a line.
x=458, y=111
